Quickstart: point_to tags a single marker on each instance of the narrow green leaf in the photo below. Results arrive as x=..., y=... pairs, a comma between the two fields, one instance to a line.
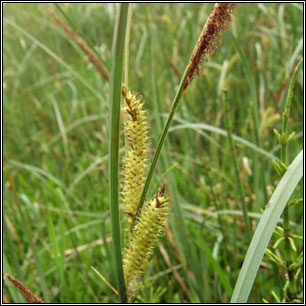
x=265, y=230
x=217, y=130
x=114, y=135
x=55, y=57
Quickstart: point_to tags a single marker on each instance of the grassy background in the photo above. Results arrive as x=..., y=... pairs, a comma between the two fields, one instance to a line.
x=56, y=146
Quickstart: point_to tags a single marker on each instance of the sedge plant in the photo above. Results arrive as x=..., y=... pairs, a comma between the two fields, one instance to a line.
x=146, y=219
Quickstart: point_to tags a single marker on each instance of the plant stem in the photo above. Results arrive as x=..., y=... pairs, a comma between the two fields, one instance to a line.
x=218, y=20
x=162, y=138
x=177, y=222
x=126, y=48
x=126, y=61
x=284, y=143
x=255, y=119
x=235, y=162
x=286, y=113
x=115, y=85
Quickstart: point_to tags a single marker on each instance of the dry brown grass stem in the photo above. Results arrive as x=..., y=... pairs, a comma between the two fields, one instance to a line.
x=218, y=20
x=28, y=295
x=83, y=45
x=175, y=273
x=105, y=280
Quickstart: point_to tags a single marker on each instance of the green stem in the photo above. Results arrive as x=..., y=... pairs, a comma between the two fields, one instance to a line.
x=162, y=139
x=235, y=162
x=177, y=222
x=126, y=62
x=115, y=85
x=255, y=118
x=284, y=143
x=287, y=113
x=126, y=48
x=192, y=66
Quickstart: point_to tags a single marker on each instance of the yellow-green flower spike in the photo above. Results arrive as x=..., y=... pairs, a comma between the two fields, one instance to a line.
x=143, y=240
x=134, y=163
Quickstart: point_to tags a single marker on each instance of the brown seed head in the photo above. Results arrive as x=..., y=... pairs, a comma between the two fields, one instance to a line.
x=28, y=295
x=218, y=20
x=92, y=57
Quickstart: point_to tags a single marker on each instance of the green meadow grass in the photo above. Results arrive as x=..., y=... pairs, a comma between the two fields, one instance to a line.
x=57, y=221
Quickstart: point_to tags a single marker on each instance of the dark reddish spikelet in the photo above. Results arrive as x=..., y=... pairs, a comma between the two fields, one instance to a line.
x=26, y=292
x=218, y=20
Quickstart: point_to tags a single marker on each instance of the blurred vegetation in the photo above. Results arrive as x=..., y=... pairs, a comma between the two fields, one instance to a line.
x=56, y=146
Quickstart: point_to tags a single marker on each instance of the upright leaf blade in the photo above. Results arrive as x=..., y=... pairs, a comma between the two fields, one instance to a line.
x=265, y=230
x=115, y=85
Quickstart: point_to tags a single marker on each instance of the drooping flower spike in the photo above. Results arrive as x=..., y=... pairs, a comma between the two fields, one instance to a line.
x=149, y=226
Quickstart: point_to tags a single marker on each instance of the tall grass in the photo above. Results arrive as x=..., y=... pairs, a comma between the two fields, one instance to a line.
x=56, y=149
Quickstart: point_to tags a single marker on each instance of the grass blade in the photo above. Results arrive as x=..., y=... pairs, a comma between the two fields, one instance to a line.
x=228, y=124
x=115, y=84
x=265, y=230
x=217, y=130
x=55, y=57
